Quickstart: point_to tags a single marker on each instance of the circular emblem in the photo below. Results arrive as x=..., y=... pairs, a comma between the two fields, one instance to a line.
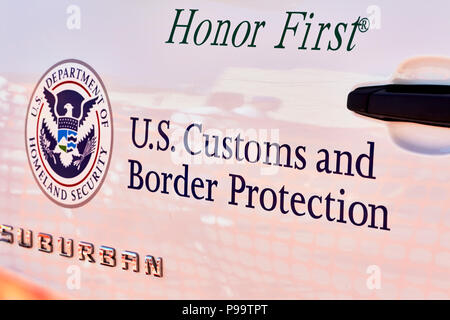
x=68, y=133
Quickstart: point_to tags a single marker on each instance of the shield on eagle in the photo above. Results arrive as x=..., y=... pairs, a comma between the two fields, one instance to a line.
x=67, y=138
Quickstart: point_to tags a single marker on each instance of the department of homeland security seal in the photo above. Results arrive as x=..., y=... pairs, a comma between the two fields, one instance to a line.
x=68, y=133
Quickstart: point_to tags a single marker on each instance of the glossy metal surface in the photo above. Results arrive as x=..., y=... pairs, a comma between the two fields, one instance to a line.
x=211, y=249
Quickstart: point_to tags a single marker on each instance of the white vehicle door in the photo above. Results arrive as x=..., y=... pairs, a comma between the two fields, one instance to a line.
x=243, y=149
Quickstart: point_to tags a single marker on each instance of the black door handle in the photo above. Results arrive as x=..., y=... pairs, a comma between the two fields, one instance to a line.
x=426, y=104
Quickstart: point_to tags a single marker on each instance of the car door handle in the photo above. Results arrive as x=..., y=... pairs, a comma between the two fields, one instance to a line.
x=426, y=104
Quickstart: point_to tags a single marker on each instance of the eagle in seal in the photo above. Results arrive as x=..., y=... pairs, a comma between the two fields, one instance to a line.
x=67, y=120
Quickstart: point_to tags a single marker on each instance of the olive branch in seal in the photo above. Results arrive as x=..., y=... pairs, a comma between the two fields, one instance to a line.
x=45, y=145
x=88, y=149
